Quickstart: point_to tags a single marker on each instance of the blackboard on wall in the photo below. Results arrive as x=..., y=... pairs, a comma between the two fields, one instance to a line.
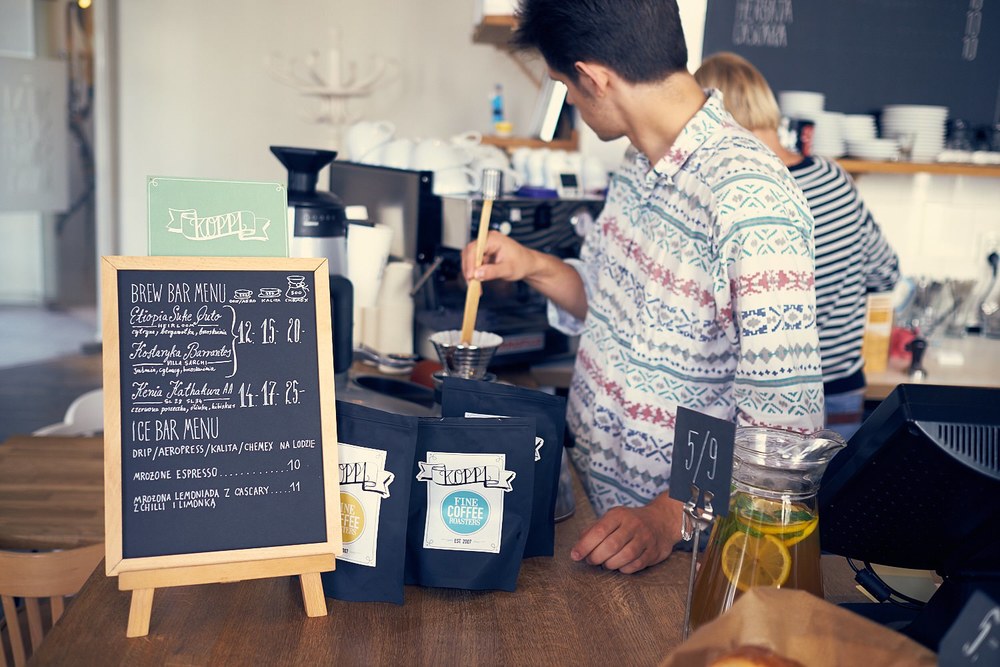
x=866, y=54
x=220, y=435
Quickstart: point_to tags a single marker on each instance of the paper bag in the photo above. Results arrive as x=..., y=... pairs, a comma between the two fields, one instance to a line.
x=800, y=626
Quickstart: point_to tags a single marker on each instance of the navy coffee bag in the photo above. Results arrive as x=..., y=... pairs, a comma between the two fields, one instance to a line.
x=475, y=398
x=470, y=502
x=376, y=451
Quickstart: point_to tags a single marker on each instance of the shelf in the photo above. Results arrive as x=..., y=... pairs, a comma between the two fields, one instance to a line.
x=853, y=166
x=511, y=143
x=496, y=29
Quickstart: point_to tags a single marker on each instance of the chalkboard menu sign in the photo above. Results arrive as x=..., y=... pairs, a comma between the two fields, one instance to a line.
x=866, y=54
x=220, y=435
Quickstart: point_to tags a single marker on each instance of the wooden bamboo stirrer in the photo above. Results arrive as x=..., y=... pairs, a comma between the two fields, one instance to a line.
x=491, y=187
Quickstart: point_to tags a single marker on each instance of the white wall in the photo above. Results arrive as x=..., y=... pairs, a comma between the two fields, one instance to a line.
x=22, y=233
x=195, y=99
x=940, y=226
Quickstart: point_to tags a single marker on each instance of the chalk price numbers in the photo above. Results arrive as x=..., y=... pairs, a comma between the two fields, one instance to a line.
x=246, y=333
x=268, y=393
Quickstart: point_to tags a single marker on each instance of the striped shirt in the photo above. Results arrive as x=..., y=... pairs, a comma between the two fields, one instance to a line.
x=852, y=259
x=699, y=281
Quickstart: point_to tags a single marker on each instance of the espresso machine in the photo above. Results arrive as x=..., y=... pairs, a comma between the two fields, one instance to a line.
x=431, y=231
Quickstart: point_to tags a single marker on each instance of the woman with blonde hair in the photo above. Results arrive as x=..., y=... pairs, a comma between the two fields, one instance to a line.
x=852, y=256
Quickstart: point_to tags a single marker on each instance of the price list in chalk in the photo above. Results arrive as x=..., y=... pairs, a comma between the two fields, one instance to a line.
x=220, y=412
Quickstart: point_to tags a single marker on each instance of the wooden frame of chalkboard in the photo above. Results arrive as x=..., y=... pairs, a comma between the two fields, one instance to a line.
x=220, y=425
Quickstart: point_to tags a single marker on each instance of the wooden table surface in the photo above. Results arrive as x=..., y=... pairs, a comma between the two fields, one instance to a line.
x=51, y=492
x=561, y=613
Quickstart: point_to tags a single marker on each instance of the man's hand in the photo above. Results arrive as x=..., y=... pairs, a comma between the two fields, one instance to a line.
x=629, y=539
x=503, y=258
x=506, y=259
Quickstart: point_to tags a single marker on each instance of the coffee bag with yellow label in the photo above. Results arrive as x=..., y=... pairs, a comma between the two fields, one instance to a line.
x=376, y=451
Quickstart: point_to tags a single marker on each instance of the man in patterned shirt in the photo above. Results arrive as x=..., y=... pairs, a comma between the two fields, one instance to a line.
x=695, y=288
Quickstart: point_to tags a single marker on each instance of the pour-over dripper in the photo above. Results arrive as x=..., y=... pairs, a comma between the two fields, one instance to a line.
x=465, y=361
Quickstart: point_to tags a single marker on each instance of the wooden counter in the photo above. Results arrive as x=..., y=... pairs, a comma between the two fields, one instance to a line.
x=562, y=613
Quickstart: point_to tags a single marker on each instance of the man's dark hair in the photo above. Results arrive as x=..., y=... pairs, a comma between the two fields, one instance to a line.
x=641, y=40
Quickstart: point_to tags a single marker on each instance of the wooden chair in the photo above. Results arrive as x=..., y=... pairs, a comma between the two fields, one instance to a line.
x=34, y=577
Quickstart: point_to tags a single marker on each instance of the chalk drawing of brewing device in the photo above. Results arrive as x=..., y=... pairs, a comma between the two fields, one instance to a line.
x=297, y=289
x=243, y=224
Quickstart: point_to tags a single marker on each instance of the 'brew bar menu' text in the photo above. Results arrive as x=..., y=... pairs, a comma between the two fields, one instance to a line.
x=220, y=411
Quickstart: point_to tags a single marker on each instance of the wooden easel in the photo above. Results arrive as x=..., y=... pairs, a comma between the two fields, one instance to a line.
x=143, y=583
x=143, y=575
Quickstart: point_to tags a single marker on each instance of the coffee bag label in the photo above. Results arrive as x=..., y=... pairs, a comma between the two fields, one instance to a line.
x=539, y=441
x=364, y=483
x=464, y=500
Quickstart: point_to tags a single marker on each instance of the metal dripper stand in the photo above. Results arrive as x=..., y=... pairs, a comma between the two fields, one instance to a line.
x=694, y=521
x=467, y=353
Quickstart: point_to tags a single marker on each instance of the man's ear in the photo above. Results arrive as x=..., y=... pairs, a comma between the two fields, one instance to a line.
x=594, y=78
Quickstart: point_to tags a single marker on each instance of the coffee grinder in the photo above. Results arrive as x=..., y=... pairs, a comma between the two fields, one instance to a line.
x=317, y=227
x=317, y=221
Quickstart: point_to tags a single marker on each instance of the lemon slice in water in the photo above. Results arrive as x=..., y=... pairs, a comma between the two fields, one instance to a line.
x=762, y=516
x=796, y=532
x=755, y=561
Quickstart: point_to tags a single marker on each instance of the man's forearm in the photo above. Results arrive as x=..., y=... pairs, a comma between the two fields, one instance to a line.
x=559, y=282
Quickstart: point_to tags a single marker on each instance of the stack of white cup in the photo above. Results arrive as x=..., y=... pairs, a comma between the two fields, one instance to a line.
x=367, y=253
x=541, y=169
x=394, y=328
x=458, y=162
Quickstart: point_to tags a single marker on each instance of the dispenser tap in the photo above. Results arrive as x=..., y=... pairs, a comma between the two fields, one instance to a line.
x=916, y=348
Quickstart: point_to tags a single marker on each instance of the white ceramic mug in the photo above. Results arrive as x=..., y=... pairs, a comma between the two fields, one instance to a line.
x=365, y=136
x=574, y=162
x=491, y=161
x=397, y=154
x=511, y=181
x=492, y=154
x=436, y=154
x=555, y=164
x=456, y=181
x=535, y=169
x=519, y=160
x=468, y=139
x=594, y=174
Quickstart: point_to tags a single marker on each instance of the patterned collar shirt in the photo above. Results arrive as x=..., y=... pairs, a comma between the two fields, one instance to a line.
x=700, y=293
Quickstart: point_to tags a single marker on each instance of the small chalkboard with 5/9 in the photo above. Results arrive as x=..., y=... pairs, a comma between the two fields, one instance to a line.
x=702, y=457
